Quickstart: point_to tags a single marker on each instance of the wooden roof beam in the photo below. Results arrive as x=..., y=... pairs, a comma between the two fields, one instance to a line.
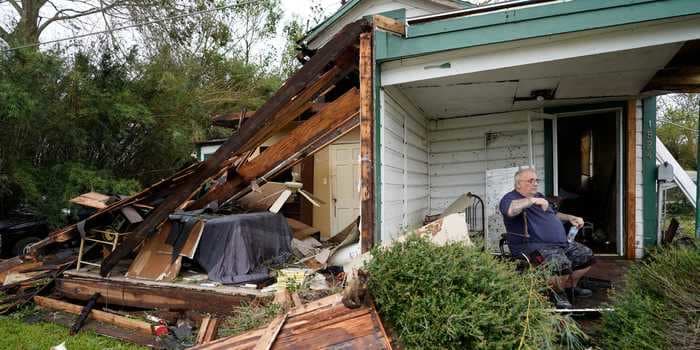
x=272, y=116
x=332, y=116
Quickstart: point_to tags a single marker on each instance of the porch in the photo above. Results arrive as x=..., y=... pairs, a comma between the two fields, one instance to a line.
x=577, y=106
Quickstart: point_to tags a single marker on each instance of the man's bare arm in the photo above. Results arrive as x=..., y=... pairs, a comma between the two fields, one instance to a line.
x=564, y=217
x=573, y=219
x=517, y=206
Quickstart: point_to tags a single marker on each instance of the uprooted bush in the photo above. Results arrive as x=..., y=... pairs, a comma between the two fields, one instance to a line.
x=459, y=297
x=658, y=308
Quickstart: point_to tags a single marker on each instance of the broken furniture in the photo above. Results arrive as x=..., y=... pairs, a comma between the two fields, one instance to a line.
x=473, y=208
x=109, y=238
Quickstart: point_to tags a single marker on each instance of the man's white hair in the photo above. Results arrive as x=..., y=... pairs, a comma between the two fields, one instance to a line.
x=521, y=171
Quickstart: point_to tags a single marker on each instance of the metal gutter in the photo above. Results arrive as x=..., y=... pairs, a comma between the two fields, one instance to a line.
x=477, y=10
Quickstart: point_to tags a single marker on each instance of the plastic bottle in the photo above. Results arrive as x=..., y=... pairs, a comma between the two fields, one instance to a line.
x=572, y=233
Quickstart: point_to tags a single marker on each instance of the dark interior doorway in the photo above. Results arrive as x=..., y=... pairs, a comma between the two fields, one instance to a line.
x=587, y=162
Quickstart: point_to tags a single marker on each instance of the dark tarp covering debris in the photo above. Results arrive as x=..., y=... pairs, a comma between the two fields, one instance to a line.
x=233, y=247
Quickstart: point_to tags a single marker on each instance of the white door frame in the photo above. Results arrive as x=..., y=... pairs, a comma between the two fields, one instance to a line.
x=331, y=171
x=619, y=166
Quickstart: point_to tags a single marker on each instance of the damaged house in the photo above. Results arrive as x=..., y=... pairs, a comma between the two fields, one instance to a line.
x=401, y=109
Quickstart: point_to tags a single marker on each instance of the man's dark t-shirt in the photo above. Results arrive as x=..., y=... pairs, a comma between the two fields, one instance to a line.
x=544, y=227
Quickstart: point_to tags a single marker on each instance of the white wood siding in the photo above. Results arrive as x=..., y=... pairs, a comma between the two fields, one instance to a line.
x=462, y=149
x=403, y=163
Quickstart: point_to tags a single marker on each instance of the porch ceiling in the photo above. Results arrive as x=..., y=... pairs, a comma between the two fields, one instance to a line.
x=593, y=78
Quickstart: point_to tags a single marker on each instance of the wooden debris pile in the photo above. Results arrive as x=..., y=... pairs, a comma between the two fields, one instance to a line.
x=325, y=323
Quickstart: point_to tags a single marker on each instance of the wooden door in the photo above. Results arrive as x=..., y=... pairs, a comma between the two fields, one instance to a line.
x=345, y=180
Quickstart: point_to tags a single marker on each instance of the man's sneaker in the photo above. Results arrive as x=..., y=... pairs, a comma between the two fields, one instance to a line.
x=560, y=301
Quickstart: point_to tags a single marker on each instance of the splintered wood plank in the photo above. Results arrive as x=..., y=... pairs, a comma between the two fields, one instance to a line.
x=270, y=335
x=389, y=24
x=106, y=329
x=150, y=297
x=154, y=191
x=195, y=235
x=326, y=324
x=207, y=329
x=17, y=265
x=317, y=304
x=295, y=108
x=120, y=321
x=366, y=143
x=332, y=114
x=235, y=184
x=155, y=261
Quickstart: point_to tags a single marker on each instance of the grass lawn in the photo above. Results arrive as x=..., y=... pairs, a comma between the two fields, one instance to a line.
x=16, y=334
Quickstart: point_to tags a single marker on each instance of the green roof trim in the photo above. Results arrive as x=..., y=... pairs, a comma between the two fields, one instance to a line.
x=313, y=32
x=328, y=21
x=525, y=23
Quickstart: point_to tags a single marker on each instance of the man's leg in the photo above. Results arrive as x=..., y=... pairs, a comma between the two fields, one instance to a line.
x=581, y=258
x=558, y=263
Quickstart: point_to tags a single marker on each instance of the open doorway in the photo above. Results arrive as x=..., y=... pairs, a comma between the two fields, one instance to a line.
x=588, y=176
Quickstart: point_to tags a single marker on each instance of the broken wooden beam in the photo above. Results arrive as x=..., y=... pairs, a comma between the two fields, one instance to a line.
x=80, y=321
x=389, y=25
x=325, y=323
x=71, y=231
x=106, y=329
x=367, y=209
x=273, y=329
x=276, y=113
x=231, y=120
x=332, y=114
x=312, y=130
x=120, y=321
x=154, y=295
x=208, y=329
x=235, y=184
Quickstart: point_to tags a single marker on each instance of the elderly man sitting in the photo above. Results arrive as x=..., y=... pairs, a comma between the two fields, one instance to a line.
x=536, y=229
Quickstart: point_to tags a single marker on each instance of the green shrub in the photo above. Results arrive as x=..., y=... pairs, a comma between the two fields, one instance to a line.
x=458, y=297
x=658, y=309
x=249, y=316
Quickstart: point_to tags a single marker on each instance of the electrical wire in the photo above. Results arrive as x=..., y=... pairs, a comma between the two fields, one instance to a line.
x=80, y=36
x=665, y=121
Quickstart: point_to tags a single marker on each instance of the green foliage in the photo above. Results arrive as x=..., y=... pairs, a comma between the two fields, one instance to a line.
x=48, y=190
x=18, y=335
x=249, y=316
x=458, y=297
x=658, y=308
x=677, y=126
x=92, y=122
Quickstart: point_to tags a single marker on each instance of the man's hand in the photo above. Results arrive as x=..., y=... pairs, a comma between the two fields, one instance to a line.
x=540, y=202
x=576, y=221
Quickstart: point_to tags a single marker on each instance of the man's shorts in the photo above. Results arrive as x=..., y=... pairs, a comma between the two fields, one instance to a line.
x=574, y=257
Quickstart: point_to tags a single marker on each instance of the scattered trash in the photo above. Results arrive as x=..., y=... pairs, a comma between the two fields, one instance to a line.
x=61, y=346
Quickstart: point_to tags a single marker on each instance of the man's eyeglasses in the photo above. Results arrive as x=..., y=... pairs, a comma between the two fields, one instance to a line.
x=532, y=181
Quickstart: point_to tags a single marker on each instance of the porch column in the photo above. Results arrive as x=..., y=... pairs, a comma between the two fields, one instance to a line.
x=649, y=171
x=366, y=143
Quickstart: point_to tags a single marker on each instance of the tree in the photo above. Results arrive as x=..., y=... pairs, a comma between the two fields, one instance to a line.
x=30, y=19
x=677, y=126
